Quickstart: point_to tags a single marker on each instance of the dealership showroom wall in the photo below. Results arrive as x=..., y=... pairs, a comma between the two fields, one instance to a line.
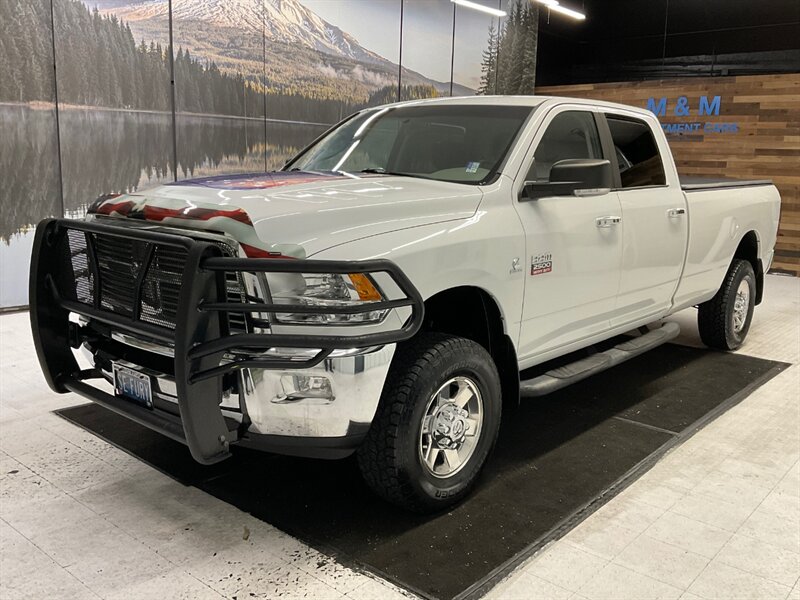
x=542, y=388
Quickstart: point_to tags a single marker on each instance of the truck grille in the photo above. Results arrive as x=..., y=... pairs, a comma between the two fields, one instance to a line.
x=132, y=278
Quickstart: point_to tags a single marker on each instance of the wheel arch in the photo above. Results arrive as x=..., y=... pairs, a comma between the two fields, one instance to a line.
x=749, y=250
x=473, y=313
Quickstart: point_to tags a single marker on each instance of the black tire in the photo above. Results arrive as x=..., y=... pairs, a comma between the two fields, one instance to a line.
x=391, y=458
x=716, y=318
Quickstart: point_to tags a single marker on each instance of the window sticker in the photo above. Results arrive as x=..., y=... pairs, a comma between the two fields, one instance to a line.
x=472, y=167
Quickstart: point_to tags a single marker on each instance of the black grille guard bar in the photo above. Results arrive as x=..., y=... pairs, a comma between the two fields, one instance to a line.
x=204, y=349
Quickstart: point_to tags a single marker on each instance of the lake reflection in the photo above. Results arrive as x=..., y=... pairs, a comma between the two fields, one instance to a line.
x=105, y=151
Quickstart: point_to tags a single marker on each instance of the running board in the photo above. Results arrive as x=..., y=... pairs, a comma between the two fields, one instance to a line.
x=581, y=369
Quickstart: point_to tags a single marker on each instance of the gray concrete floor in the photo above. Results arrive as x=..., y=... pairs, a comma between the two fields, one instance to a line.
x=718, y=517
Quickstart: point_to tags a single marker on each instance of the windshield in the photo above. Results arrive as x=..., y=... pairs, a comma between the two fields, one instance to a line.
x=448, y=142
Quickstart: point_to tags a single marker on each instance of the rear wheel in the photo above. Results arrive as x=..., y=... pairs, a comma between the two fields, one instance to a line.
x=436, y=424
x=725, y=320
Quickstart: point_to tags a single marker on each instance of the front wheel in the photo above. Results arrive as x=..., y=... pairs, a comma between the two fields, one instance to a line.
x=437, y=421
x=725, y=320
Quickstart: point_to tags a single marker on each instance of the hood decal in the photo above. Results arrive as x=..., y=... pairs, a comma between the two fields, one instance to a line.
x=233, y=221
x=259, y=181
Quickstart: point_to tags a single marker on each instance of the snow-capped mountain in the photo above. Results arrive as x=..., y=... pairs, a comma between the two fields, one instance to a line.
x=286, y=21
x=303, y=50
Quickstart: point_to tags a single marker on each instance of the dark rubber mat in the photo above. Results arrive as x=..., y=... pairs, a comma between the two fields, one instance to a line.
x=558, y=458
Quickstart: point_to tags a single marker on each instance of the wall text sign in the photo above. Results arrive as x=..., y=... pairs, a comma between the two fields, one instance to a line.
x=682, y=107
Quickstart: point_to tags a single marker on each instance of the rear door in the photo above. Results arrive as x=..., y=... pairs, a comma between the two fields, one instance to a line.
x=654, y=224
x=573, y=243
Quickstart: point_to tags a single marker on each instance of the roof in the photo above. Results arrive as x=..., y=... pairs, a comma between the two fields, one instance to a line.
x=519, y=101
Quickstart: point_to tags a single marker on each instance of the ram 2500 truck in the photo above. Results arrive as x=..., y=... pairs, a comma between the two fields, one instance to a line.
x=383, y=292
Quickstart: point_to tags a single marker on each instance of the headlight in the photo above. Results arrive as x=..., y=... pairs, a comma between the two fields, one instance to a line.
x=326, y=290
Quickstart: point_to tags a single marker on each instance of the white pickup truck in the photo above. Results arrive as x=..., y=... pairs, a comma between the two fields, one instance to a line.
x=383, y=292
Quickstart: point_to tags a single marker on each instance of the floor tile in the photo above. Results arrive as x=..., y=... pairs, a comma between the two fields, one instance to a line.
x=665, y=562
x=795, y=593
x=732, y=488
x=171, y=585
x=762, y=559
x=528, y=587
x=766, y=526
x=722, y=582
x=68, y=467
x=372, y=589
x=602, y=536
x=715, y=512
x=621, y=583
x=683, y=532
x=325, y=569
x=566, y=565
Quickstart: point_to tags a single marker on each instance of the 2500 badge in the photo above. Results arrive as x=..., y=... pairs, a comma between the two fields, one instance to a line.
x=541, y=263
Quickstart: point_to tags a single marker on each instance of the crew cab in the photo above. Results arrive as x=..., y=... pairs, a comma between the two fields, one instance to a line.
x=382, y=293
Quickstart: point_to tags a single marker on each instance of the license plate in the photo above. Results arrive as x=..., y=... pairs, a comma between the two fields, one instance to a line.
x=133, y=385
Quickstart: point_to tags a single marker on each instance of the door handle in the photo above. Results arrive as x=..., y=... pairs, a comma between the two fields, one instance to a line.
x=674, y=213
x=609, y=221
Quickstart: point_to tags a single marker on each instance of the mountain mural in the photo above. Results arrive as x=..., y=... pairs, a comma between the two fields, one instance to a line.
x=281, y=44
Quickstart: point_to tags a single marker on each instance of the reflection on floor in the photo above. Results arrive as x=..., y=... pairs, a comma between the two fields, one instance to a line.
x=719, y=516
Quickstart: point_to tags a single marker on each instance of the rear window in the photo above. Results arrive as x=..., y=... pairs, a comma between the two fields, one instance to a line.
x=637, y=153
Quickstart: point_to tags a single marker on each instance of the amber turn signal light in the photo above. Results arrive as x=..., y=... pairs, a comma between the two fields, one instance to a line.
x=364, y=286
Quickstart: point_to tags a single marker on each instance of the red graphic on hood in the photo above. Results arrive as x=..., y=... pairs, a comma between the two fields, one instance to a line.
x=156, y=213
x=122, y=208
x=259, y=181
x=127, y=208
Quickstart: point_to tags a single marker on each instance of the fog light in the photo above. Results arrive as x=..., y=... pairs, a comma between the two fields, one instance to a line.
x=310, y=389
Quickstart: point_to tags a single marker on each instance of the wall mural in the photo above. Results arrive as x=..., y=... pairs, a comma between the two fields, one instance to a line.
x=255, y=81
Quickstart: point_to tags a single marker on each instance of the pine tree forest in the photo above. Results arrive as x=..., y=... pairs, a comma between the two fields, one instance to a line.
x=101, y=64
x=509, y=61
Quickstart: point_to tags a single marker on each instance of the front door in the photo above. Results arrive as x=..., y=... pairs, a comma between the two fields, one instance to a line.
x=573, y=244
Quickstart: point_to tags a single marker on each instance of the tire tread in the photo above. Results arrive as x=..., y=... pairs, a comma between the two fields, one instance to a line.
x=712, y=316
x=379, y=456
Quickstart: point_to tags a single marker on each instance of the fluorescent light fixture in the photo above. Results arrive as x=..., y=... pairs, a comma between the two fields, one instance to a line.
x=475, y=6
x=555, y=6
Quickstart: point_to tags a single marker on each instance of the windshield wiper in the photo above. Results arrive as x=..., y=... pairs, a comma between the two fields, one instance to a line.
x=382, y=171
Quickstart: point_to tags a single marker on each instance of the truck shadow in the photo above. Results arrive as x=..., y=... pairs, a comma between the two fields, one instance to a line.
x=556, y=455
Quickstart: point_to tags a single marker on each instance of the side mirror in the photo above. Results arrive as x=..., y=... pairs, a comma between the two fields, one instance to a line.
x=572, y=177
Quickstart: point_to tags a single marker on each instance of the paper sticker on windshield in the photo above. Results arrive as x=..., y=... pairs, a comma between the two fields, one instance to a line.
x=472, y=167
x=541, y=264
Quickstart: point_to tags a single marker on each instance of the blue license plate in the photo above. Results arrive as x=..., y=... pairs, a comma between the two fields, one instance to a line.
x=133, y=385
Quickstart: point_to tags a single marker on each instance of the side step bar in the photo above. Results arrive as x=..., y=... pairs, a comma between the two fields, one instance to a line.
x=581, y=369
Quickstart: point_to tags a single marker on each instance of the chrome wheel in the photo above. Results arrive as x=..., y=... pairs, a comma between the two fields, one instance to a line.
x=741, y=306
x=451, y=427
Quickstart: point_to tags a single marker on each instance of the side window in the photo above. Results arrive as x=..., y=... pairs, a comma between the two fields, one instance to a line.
x=637, y=153
x=571, y=134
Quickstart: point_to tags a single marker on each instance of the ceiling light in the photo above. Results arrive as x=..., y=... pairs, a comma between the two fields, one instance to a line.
x=475, y=6
x=554, y=5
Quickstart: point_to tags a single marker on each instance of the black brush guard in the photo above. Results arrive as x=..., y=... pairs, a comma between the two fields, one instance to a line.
x=200, y=337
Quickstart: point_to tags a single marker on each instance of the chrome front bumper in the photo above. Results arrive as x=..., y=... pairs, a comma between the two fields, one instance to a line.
x=270, y=403
x=351, y=388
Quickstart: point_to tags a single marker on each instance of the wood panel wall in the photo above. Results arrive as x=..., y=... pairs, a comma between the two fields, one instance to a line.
x=766, y=109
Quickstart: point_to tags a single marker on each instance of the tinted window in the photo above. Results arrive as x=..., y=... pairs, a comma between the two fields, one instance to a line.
x=448, y=142
x=571, y=134
x=637, y=154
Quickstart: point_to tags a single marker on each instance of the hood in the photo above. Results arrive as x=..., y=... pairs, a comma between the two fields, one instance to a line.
x=298, y=213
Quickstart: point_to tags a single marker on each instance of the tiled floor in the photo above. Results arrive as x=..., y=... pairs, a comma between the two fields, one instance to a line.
x=719, y=517
x=81, y=519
